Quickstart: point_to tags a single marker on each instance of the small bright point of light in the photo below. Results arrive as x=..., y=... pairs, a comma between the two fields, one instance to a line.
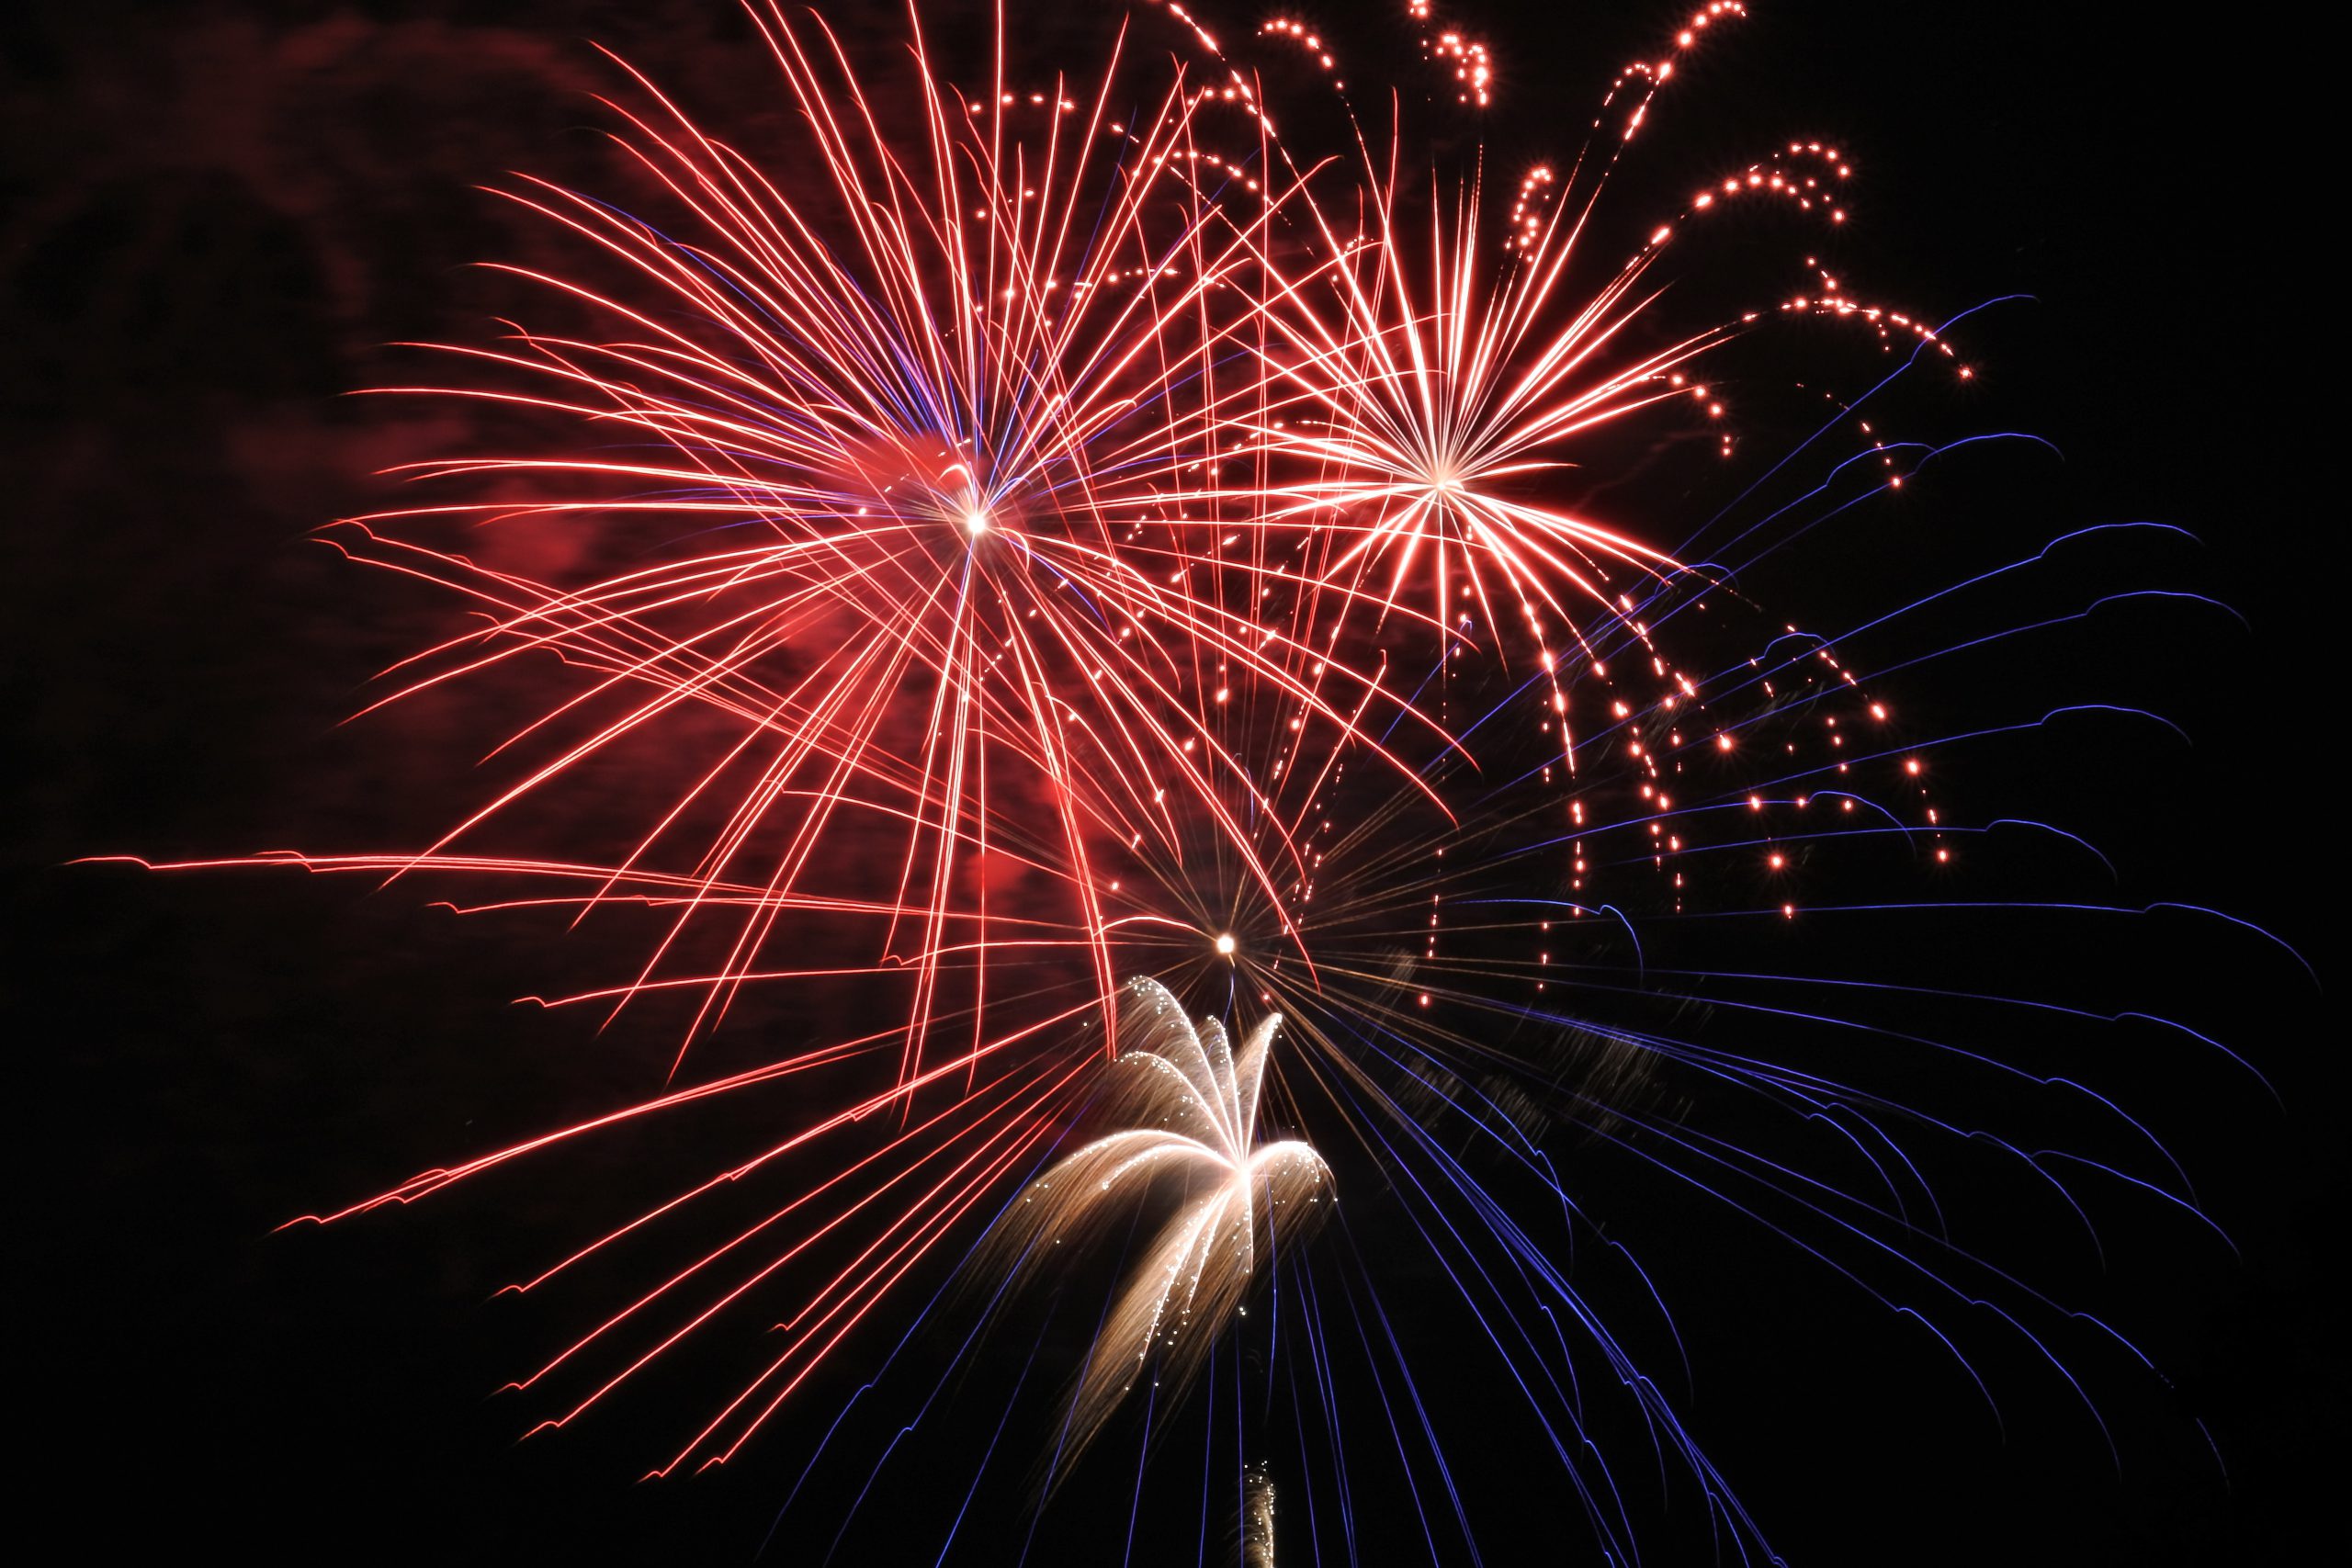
x=976, y=523
x=1225, y=944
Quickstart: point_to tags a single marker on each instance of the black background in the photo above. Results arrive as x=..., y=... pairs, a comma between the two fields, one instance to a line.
x=205, y=237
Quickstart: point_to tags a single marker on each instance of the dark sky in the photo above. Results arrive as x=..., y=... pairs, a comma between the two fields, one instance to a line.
x=212, y=217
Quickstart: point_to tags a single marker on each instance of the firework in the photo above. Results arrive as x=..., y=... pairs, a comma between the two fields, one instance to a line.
x=1186, y=1107
x=915, y=480
x=1257, y=1521
x=1076, y=528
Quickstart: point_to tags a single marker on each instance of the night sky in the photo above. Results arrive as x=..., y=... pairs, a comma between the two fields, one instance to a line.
x=213, y=217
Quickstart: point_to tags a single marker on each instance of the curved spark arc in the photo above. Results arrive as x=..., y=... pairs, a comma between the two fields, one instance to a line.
x=1187, y=1103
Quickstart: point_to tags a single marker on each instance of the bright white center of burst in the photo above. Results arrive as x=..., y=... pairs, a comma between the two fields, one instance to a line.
x=1225, y=944
x=976, y=523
